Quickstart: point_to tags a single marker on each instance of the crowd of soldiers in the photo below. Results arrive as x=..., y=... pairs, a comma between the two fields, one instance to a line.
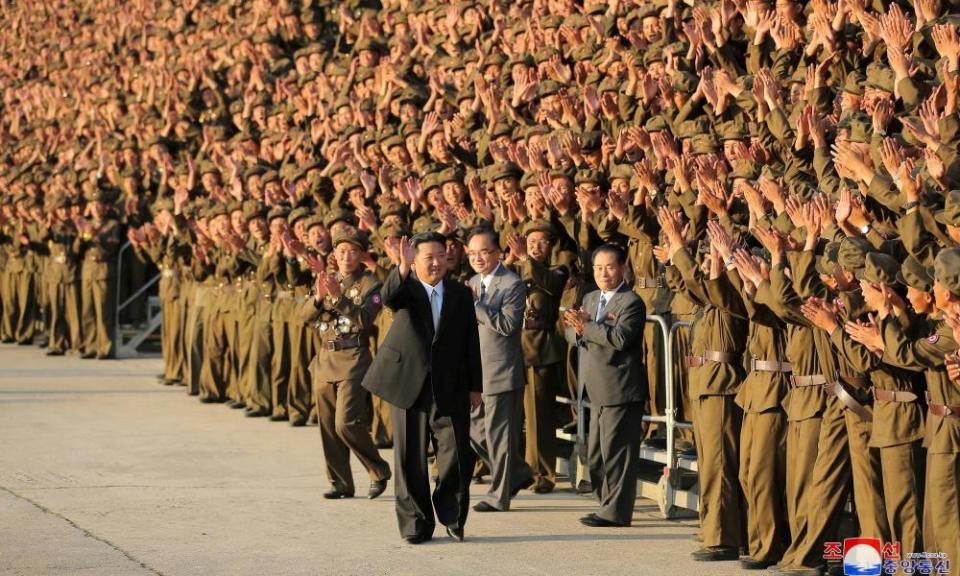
x=781, y=174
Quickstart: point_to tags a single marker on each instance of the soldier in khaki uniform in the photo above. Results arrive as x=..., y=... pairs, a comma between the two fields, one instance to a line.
x=543, y=348
x=21, y=262
x=99, y=241
x=62, y=282
x=342, y=309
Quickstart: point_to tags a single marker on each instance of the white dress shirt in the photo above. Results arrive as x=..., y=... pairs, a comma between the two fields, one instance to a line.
x=605, y=298
x=439, y=299
x=485, y=280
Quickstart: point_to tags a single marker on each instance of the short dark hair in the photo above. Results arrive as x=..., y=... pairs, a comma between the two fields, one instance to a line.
x=610, y=248
x=427, y=238
x=485, y=231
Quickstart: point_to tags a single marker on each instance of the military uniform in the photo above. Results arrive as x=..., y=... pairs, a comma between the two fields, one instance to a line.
x=342, y=359
x=62, y=282
x=98, y=280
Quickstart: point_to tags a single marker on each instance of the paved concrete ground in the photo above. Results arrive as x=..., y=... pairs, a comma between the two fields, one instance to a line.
x=104, y=472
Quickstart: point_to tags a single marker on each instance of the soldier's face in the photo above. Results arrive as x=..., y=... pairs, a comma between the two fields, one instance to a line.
x=943, y=298
x=454, y=254
x=921, y=300
x=348, y=258
x=652, y=30
x=258, y=229
x=430, y=263
x=607, y=271
x=872, y=295
x=538, y=246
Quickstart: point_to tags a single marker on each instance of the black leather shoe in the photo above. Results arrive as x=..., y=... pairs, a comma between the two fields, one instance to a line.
x=418, y=538
x=210, y=400
x=483, y=506
x=236, y=405
x=88, y=356
x=594, y=521
x=383, y=445
x=376, y=488
x=655, y=443
x=543, y=488
x=298, y=423
x=523, y=486
x=336, y=495
x=570, y=428
x=748, y=563
x=54, y=352
x=258, y=413
x=455, y=533
x=279, y=417
x=715, y=554
x=105, y=356
x=171, y=382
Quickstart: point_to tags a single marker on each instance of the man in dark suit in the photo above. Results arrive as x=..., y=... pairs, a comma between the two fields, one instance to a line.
x=428, y=369
x=496, y=427
x=608, y=330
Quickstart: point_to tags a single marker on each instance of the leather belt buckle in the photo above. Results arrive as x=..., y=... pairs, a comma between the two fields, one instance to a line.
x=694, y=361
x=330, y=345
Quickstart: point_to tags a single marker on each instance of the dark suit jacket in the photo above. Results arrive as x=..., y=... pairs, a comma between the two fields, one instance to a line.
x=611, y=350
x=411, y=351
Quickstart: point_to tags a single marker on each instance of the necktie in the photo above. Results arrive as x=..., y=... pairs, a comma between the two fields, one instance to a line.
x=483, y=290
x=435, y=307
x=601, y=306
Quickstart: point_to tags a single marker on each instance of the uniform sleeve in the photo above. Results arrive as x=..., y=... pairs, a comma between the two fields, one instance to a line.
x=917, y=355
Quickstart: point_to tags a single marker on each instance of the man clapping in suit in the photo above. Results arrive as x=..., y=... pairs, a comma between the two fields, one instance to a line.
x=495, y=427
x=608, y=330
x=428, y=369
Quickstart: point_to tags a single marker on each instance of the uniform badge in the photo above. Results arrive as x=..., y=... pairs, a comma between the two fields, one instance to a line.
x=611, y=317
x=933, y=338
x=354, y=292
x=324, y=326
x=376, y=299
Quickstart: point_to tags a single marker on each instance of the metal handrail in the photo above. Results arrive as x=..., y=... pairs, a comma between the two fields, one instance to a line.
x=139, y=292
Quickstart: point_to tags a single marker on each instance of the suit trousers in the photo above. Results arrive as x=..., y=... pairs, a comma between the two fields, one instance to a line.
x=344, y=422
x=717, y=420
x=495, y=431
x=613, y=458
x=762, y=477
x=540, y=411
x=941, y=506
x=413, y=429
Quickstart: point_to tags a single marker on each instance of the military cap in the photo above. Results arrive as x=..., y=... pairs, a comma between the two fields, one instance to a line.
x=502, y=170
x=585, y=51
x=651, y=56
x=393, y=230
x=853, y=83
x=827, y=262
x=880, y=77
x=529, y=179
x=350, y=181
x=501, y=129
x=879, y=268
x=350, y=235
x=392, y=207
x=339, y=215
x=946, y=269
x=588, y=177
x=429, y=181
x=391, y=141
x=551, y=22
x=252, y=209
x=298, y=214
x=411, y=96
x=371, y=44
x=609, y=84
x=451, y=174
x=703, y=144
x=106, y=195
x=591, y=139
x=852, y=253
x=278, y=212
x=549, y=88
x=539, y=225
x=915, y=275
x=732, y=130
x=216, y=209
x=691, y=128
x=950, y=215
x=620, y=172
x=656, y=123
x=311, y=221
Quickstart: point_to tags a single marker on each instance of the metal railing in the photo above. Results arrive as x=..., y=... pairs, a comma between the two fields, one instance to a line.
x=125, y=347
x=666, y=492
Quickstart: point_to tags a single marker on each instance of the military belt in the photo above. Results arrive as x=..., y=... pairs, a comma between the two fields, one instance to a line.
x=344, y=343
x=894, y=396
x=169, y=272
x=712, y=356
x=285, y=295
x=61, y=259
x=770, y=366
x=807, y=380
x=942, y=410
x=837, y=389
x=647, y=283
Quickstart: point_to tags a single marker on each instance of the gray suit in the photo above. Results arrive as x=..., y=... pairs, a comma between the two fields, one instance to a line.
x=495, y=427
x=611, y=366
